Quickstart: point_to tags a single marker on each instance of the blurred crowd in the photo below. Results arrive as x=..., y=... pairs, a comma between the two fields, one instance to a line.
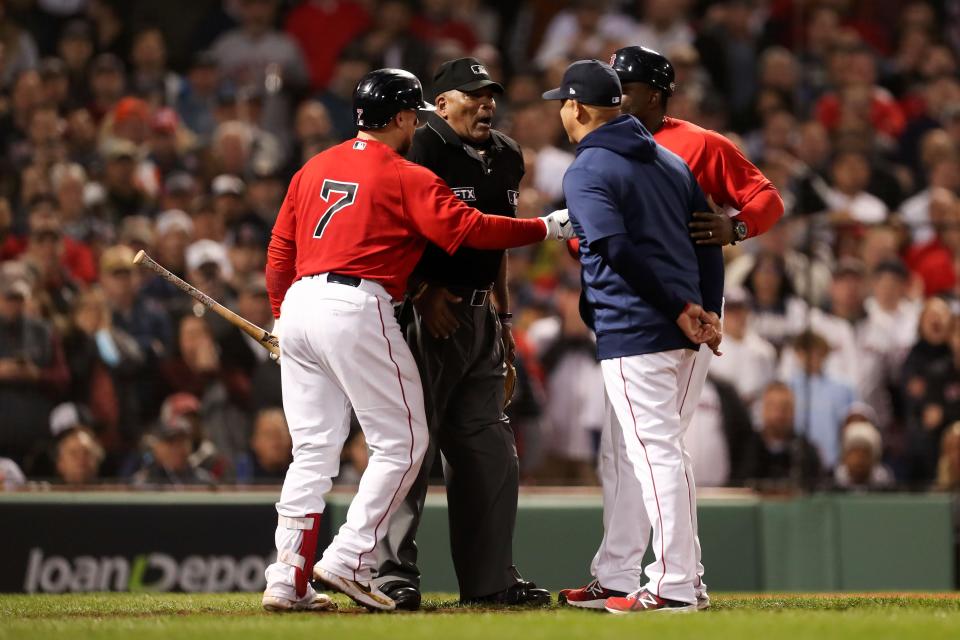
x=174, y=128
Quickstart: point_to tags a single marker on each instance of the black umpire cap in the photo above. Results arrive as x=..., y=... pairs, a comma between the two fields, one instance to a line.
x=588, y=82
x=463, y=74
x=384, y=93
x=639, y=64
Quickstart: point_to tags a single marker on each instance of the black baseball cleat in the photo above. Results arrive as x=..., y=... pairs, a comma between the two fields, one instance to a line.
x=520, y=594
x=405, y=595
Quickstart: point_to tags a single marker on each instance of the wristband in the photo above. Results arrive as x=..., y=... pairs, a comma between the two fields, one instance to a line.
x=505, y=318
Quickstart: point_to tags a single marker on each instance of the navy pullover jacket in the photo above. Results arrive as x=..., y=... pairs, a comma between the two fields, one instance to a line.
x=630, y=201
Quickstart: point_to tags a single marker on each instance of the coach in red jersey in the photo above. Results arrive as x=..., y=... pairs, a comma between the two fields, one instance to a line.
x=355, y=221
x=724, y=174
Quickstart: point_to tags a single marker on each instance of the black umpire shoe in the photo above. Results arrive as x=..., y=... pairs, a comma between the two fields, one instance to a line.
x=405, y=595
x=522, y=593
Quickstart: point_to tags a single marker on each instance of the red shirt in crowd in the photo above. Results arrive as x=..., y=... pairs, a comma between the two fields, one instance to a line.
x=724, y=173
x=933, y=262
x=360, y=209
x=434, y=31
x=886, y=115
x=77, y=257
x=323, y=28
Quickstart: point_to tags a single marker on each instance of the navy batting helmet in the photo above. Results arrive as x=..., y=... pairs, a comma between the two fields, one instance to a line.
x=639, y=64
x=384, y=93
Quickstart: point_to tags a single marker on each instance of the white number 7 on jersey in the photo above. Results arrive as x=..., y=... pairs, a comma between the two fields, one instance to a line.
x=349, y=191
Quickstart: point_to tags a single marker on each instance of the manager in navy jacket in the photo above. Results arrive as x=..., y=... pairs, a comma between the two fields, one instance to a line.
x=652, y=297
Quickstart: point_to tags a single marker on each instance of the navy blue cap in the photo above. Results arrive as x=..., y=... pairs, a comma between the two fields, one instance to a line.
x=588, y=82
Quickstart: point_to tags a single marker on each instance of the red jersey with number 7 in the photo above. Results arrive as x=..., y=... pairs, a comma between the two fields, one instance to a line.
x=362, y=210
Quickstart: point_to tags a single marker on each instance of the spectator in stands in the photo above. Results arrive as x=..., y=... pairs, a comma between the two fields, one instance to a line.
x=75, y=48
x=168, y=460
x=943, y=174
x=718, y=431
x=848, y=201
x=45, y=254
x=940, y=405
x=589, y=29
x=749, y=361
x=777, y=455
x=664, y=25
x=107, y=85
x=132, y=312
x=323, y=29
x=931, y=348
x=351, y=66
x=933, y=261
x=104, y=362
x=948, y=467
x=209, y=269
x=11, y=477
x=203, y=453
x=259, y=56
x=195, y=367
x=270, y=450
x=821, y=401
x=241, y=355
x=32, y=370
x=313, y=133
x=887, y=334
x=573, y=419
x=777, y=312
x=857, y=96
x=860, y=469
x=150, y=78
x=535, y=131
x=390, y=42
x=437, y=23
x=197, y=98
x=19, y=49
x=77, y=453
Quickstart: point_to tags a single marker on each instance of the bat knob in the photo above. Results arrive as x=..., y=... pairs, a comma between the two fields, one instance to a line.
x=137, y=259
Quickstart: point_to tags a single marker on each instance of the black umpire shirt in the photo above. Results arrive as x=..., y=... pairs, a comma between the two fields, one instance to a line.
x=489, y=182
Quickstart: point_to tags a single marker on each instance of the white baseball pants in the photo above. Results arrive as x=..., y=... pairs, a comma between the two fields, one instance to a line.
x=342, y=347
x=647, y=475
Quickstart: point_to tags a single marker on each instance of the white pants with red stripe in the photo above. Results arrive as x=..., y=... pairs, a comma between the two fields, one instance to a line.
x=647, y=476
x=342, y=347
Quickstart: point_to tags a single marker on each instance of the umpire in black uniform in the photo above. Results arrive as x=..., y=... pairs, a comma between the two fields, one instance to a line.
x=457, y=323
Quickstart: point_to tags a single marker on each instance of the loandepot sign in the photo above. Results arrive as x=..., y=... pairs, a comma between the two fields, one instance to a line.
x=144, y=572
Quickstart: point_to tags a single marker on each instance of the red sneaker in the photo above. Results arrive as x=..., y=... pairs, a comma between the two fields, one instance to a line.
x=592, y=596
x=643, y=600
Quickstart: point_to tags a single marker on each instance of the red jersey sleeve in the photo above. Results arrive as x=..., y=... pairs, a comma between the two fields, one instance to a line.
x=281, y=268
x=286, y=223
x=432, y=208
x=732, y=180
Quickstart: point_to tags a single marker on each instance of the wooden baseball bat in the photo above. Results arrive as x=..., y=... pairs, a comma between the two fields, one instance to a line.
x=266, y=339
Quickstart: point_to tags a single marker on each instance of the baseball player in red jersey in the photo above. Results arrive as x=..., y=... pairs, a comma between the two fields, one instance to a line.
x=731, y=181
x=353, y=225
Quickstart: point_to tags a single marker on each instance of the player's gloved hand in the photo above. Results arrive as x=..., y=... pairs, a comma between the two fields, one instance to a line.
x=558, y=225
x=433, y=305
x=696, y=324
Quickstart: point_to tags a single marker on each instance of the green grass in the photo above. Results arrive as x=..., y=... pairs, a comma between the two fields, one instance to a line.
x=236, y=616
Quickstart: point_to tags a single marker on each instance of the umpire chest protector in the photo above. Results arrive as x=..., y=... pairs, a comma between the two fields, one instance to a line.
x=489, y=182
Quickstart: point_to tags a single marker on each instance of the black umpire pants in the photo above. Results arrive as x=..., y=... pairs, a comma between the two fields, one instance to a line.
x=463, y=378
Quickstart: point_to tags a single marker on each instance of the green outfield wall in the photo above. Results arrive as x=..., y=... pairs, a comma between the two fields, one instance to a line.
x=58, y=542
